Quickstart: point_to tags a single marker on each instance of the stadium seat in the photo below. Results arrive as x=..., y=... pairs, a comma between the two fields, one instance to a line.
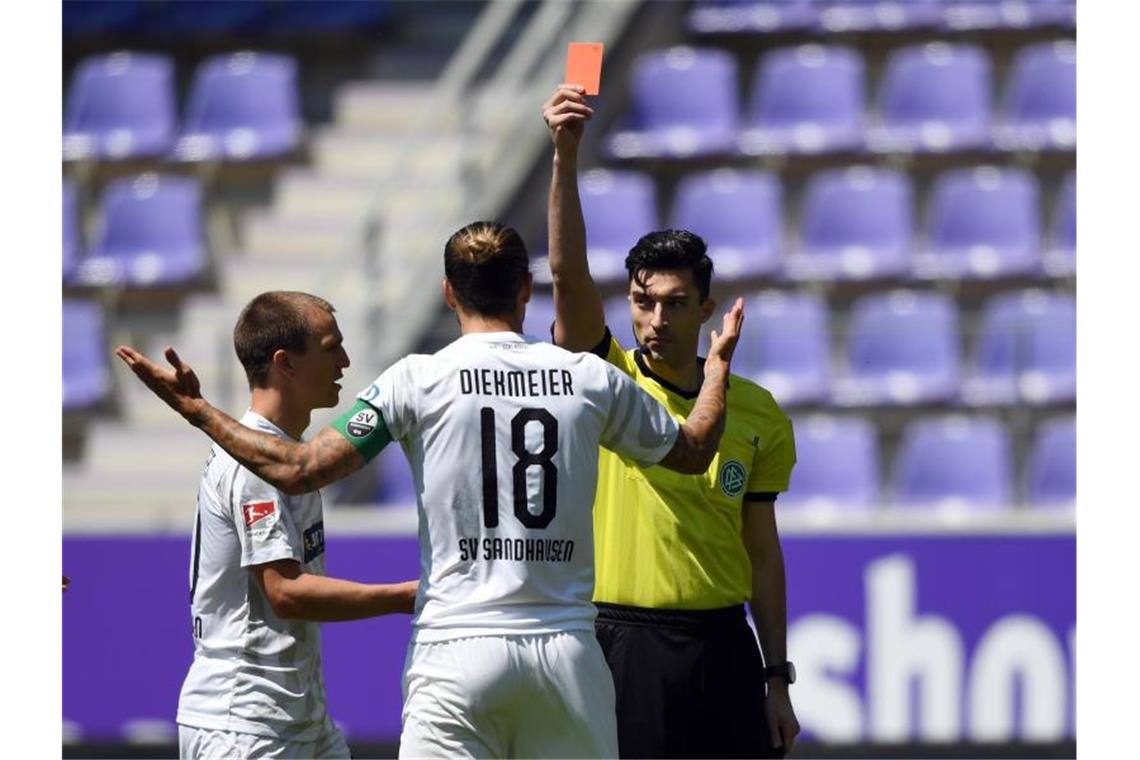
x=308, y=16
x=739, y=216
x=1026, y=350
x=72, y=245
x=394, y=484
x=874, y=15
x=619, y=208
x=86, y=375
x=150, y=233
x=242, y=107
x=785, y=348
x=901, y=349
x=99, y=17
x=954, y=464
x=855, y=224
x=1051, y=475
x=620, y=320
x=713, y=16
x=805, y=99
x=837, y=466
x=962, y=15
x=539, y=316
x=935, y=97
x=1060, y=259
x=203, y=18
x=982, y=223
x=119, y=106
x=1040, y=106
x=699, y=116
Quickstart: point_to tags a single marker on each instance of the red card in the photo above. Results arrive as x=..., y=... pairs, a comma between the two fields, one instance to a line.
x=584, y=66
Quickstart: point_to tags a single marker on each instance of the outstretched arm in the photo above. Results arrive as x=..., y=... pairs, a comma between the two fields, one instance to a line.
x=697, y=442
x=289, y=466
x=579, y=318
x=295, y=594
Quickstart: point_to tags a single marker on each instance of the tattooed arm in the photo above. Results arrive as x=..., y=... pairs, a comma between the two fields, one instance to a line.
x=699, y=437
x=290, y=466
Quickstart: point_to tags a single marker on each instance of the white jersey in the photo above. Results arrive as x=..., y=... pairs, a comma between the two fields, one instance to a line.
x=502, y=432
x=252, y=672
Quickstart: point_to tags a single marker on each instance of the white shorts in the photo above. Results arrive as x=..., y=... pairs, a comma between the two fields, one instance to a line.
x=209, y=743
x=548, y=695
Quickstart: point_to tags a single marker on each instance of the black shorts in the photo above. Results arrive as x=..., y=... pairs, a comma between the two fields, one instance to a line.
x=689, y=683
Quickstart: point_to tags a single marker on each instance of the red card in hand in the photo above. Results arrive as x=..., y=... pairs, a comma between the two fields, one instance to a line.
x=584, y=65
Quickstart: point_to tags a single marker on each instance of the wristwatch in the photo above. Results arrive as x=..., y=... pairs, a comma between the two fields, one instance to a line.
x=785, y=670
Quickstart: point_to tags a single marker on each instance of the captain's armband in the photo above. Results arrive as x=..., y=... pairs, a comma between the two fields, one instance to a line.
x=363, y=426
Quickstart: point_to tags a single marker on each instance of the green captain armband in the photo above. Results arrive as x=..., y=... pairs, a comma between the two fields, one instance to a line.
x=363, y=426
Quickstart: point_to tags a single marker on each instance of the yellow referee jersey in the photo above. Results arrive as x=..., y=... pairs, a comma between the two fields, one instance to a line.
x=667, y=540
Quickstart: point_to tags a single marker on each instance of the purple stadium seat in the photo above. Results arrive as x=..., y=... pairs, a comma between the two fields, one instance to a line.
x=394, y=484
x=119, y=106
x=982, y=223
x=86, y=375
x=954, y=464
x=785, y=348
x=1040, y=106
x=902, y=349
x=872, y=15
x=699, y=116
x=150, y=233
x=935, y=97
x=181, y=18
x=806, y=99
x=712, y=16
x=619, y=208
x=1061, y=258
x=620, y=320
x=837, y=466
x=1007, y=14
x=72, y=244
x=243, y=106
x=539, y=316
x=856, y=224
x=1051, y=475
x=1026, y=350
x=738, y=214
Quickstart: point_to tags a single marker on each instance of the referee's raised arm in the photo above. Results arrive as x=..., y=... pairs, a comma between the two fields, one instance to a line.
x=579, y=321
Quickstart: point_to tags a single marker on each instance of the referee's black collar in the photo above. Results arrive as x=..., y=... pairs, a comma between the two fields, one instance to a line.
x=638, y=356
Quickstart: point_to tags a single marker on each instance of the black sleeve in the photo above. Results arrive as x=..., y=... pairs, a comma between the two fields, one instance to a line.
x=603, y=348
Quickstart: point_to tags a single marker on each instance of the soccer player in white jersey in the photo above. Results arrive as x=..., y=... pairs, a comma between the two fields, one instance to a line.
x=502, y=433
x=257, y=578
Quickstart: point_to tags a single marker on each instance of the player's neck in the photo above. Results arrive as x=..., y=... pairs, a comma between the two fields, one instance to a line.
x=685, y=375
x=478, y=323
x=271, y=405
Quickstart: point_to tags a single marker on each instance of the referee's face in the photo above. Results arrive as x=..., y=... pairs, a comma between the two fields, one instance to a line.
x=322, y=364
x=667, y=315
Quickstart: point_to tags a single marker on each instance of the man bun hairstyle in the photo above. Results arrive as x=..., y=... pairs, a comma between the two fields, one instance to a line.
x=486, y=264
x=671, y=249
x=274, y=320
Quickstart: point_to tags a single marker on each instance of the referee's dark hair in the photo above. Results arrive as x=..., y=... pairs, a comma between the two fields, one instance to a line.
x=671, y=249
x=271, y=321
x=486, y=264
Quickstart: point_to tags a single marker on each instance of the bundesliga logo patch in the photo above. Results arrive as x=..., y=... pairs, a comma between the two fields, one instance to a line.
x=258, y=510
x=732, y=476
x=362, y=423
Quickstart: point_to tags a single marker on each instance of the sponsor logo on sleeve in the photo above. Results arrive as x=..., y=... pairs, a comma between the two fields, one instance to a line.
x=257, y=511
x=732, y=477
x=314, y=541
x=363, y=423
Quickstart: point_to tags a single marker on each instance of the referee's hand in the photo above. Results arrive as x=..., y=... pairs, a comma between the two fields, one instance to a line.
x=782, y=721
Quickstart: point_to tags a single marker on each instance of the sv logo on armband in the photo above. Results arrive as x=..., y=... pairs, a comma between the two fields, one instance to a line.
x=362, y=423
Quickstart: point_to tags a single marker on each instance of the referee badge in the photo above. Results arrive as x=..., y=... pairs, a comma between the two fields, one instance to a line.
x=732, y=476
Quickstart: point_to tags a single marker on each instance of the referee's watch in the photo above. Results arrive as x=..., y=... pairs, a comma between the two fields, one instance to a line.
x=785, y=670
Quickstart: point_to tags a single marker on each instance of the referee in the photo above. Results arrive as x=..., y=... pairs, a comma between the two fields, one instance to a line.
x=677, y=556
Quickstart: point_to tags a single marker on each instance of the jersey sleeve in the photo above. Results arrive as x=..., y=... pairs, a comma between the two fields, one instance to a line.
x=611, y=351
x=265, y=526
x=637, y=427
x=392, y=394
x=774, y=459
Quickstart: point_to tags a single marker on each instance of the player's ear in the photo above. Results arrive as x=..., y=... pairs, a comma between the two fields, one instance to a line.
x=281, y=362
x=448, y=295
x=708, y=306
x=527, y=289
